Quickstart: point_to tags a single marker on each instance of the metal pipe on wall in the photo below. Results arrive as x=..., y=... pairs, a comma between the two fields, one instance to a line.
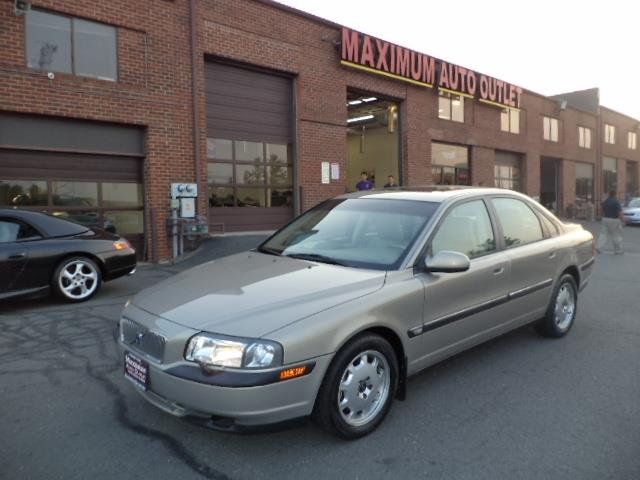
x=194, y=92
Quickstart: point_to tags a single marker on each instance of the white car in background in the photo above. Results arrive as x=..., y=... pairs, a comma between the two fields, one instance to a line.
x=632, y=212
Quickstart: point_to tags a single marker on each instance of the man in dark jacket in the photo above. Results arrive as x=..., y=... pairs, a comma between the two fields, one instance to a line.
x=612, y=223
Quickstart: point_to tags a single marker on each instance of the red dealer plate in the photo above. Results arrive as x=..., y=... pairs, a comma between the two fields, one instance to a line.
x=136, y=370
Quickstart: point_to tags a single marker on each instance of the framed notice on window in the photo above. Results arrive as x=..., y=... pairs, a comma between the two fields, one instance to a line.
x=326, y=172
x=335, y=171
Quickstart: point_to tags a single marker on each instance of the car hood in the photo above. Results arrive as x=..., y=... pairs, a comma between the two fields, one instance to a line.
x=251, y=294
x=631, y=210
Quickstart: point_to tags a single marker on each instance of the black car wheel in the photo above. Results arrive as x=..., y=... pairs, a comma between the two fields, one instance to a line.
x=76, y=279
x=562, y=310
x=358, y=388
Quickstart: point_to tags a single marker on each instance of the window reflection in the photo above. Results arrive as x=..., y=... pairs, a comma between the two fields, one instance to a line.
x=251, y=197
x=125, y=222
x=75, y=194
x=121, y=195
x=23, y=193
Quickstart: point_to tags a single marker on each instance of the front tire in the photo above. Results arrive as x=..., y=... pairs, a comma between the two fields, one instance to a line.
x=76, y=279
x=562, y=310
x=358, y=388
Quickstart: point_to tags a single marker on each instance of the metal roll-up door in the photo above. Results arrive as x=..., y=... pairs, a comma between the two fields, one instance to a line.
x=88, y=172
x=249, y=147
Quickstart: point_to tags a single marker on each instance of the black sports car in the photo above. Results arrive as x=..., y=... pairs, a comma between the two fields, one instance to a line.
x=41, y=253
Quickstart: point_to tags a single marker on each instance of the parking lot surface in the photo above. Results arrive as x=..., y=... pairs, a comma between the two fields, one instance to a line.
x=518, y=407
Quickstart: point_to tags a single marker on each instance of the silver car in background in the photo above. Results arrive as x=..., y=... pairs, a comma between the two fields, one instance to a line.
x=632, y=212
x=331, y=314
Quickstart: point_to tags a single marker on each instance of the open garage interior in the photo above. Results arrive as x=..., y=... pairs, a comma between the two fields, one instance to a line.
x=372, y=139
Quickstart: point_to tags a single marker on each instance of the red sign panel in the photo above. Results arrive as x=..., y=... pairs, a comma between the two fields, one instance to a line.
x=377, y=56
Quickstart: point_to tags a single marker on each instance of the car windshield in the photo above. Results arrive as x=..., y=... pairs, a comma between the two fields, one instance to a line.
x=355, y=232
x=635, y=203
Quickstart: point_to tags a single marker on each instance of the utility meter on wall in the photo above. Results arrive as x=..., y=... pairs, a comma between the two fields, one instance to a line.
x=185, y=194
x=183, y=190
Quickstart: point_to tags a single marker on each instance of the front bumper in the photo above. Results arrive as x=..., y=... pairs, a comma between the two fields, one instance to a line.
x=243, y=406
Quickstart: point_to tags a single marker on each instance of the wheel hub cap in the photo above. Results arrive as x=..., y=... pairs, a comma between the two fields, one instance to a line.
x=364, y=388
x=78, y=279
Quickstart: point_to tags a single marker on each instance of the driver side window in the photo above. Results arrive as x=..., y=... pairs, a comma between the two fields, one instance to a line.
x=14, y=230
x=466, y=229
x=9, y=231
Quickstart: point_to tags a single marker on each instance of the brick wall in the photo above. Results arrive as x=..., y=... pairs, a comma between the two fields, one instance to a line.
x=153, y=87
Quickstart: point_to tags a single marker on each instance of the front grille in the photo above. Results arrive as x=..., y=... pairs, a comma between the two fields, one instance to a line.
x=141, y=338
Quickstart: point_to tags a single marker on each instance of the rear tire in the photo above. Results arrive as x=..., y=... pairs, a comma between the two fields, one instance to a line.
x=358, y=388
x=76, y=279
x=561, y=313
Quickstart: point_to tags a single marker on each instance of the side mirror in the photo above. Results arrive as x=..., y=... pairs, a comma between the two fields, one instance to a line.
x=447, y=262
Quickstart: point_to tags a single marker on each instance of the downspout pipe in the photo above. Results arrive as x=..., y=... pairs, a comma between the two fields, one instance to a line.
x=194, y=95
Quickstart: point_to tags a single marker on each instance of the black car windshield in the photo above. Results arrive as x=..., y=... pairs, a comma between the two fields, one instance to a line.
x=356, y=232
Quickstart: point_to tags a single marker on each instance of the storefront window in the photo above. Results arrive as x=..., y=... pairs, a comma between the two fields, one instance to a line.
x=121, y=195
x=219, y=149
x=449, y=164
x=508, y=177
x=17, y=193
x=249, y=151
x=584, y=183
x=125, y=222
x=251, y=197
x=221, y=196
x=75, y=194
x=277, y=154
x=248, y=179
x=280, y=197
x=250, y=174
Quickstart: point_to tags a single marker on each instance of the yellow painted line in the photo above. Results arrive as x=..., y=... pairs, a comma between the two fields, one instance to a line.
x=496, y=104
x=386, y=74
x=455, y=93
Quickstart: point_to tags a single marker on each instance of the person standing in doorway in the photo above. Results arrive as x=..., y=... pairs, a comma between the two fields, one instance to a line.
x=364, y=183
x=391, y=183
x=612, y=223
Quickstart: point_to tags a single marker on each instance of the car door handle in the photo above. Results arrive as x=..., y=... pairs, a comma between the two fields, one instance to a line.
x=498, y=271
x=552, y=255
x=17, y=256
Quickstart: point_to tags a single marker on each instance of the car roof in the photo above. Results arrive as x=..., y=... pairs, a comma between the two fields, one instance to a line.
x=428, y=194
x=48, y=225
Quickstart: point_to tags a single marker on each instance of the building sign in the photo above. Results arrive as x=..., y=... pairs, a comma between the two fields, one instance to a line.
x=377, y=56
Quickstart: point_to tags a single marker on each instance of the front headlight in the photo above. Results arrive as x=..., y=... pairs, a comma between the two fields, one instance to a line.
x=211, y=351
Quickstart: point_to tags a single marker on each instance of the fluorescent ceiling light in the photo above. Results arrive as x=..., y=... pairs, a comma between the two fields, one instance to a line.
x=354, y=102
x=369, y=99
x=359, y=119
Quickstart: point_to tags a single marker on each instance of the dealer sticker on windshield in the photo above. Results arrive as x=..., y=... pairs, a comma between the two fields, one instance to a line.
x=136, y=370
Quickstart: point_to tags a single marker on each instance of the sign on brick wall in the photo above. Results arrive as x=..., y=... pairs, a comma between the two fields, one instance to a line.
x=373, y=55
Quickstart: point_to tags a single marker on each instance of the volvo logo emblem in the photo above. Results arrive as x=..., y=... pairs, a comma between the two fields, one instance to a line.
x=137, y=340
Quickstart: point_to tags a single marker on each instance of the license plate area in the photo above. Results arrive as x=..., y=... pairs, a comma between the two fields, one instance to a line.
x=136, y=370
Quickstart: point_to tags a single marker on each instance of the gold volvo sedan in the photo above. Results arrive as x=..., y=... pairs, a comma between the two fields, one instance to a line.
x=330, y=315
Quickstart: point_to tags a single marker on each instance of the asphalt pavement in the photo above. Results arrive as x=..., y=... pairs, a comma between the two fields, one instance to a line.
x=518, y=407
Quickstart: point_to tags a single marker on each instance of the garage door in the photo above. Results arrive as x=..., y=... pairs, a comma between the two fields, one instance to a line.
x=102, y=190
x=249, y=148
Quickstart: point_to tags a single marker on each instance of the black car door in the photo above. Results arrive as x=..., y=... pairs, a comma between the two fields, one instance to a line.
x=13, y=254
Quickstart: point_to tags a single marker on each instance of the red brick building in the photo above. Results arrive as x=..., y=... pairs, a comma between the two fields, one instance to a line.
x=270, y=110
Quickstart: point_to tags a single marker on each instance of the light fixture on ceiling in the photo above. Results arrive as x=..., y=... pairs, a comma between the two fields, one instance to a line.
x=369, y=99
x=359, y=119
x=354, y=102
